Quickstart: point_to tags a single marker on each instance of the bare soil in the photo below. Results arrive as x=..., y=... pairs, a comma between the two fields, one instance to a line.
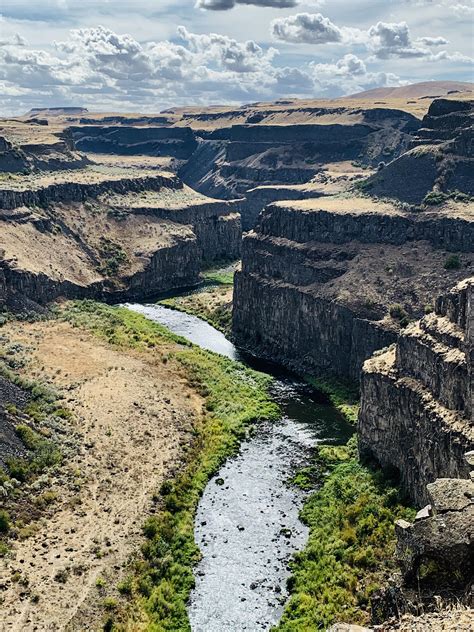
x=134, y=415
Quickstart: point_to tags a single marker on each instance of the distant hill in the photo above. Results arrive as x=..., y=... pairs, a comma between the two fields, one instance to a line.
x=424, y=89
x=58, y=111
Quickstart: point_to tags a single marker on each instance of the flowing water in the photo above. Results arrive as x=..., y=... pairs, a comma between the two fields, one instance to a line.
x=247, y=524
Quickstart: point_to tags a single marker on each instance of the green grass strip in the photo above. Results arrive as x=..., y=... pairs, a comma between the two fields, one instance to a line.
x=351, y=542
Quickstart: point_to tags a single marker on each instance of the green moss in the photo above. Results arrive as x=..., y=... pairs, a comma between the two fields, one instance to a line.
x=235, y=397
x=343, y=394
x=350, y=547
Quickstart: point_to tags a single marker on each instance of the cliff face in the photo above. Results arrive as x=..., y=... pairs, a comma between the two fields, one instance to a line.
x=234, y=160
x=115, y=229
x=417, y=397
x=440, y=158
x=309, y=295
x=127, y=140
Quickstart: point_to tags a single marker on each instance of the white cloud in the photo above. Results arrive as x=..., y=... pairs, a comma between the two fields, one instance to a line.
x=311, y=28
x=433, y=41
x=350, y=75
x=227, y=52
x=388, y=39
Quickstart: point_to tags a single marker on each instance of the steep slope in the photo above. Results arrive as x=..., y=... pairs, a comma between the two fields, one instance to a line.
x=329, y=279
x=326, y=282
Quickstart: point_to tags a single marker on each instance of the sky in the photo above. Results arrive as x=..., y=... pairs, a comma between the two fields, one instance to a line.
x=149, y=55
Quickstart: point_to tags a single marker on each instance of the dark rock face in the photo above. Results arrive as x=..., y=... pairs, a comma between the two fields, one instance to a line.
x=292, y=301
x=438, y=548
x=10, y=444
x=417, y=397
x=232, y=160
x=81, y=191
x=178, y=142
x=441, y=157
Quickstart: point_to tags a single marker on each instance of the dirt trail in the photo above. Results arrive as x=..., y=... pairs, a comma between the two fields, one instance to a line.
x=133, y=415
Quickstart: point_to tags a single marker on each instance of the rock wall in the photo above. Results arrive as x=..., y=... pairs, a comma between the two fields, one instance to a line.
x=309, y=295
x=441, y=157
x=416, y=413
x=97, y=239
x=80, y=191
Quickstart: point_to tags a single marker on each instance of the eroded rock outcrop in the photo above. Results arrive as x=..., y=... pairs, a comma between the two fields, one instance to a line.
x=112, y=230
x=438, y=548
x=416, y=414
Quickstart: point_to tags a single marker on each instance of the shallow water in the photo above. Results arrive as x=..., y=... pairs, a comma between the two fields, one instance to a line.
x=247, y=524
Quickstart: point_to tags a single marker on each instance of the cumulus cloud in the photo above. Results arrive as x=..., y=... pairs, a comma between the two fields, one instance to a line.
x=393, y=39
x=349, y=75
x=311, y=28
x=97, y=65
x=102, y=69
x=227, y=52
x=388, y=39
x=384, y=39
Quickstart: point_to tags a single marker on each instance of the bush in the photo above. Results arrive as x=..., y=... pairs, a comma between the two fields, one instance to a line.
x=4, y=521
x=398, y=313
x=453, y=262
x=434, y=198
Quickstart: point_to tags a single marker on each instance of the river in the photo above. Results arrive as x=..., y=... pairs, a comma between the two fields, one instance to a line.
x=247, y=523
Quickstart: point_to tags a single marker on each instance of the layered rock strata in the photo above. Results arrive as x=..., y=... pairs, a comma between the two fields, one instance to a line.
x=107, y=232
x=234, y=159
x=441, y=158
x=309, y=295
x=417, y=400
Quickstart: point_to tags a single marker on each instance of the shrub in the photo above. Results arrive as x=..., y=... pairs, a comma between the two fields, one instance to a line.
x=4, y=521
x=434, y=198
x=453, y=262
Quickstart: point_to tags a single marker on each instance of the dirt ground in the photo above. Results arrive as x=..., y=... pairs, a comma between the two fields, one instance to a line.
x=133, y=415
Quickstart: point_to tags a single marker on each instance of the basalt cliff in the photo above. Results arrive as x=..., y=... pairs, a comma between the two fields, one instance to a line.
x=329, y=279
x=74, y=226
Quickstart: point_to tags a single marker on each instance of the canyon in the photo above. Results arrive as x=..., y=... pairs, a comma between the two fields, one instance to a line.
x=354, y=222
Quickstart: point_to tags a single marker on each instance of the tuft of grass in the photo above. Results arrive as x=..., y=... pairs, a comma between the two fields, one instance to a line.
x=351, y=543
x=343, y=394
x=235, y=397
